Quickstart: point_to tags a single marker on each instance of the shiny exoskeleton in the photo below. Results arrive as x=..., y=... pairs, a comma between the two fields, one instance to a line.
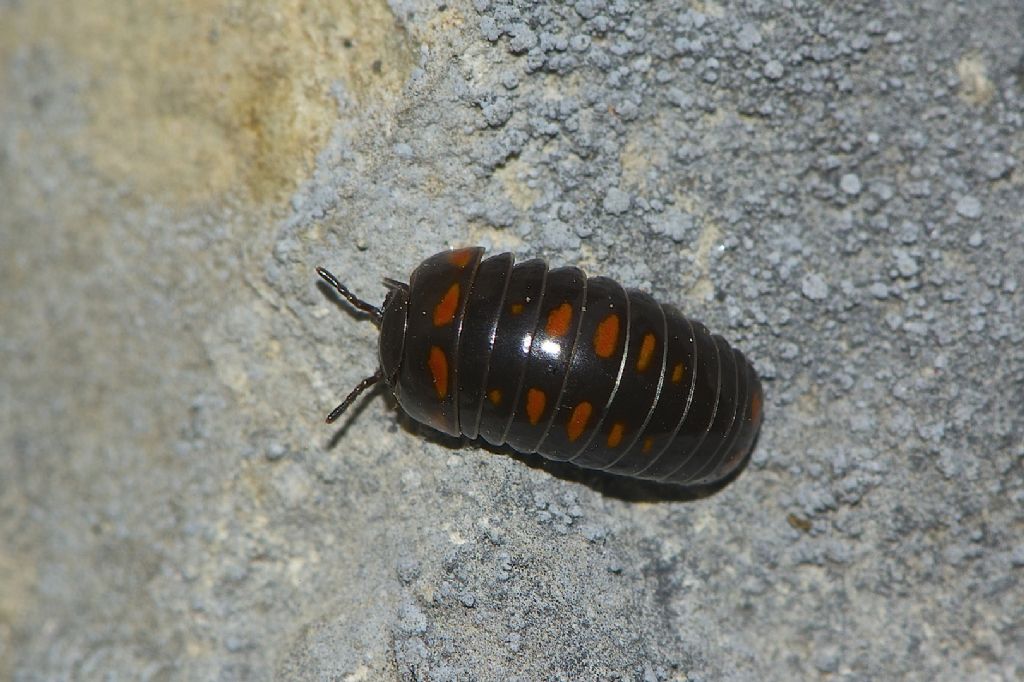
x=575, y=368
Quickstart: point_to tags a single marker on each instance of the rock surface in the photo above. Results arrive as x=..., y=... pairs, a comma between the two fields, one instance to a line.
x=835, y=187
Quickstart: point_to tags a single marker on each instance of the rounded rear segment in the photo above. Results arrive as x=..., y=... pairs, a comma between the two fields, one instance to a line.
x=691, y=467
x=427, y=377
x=747, y=427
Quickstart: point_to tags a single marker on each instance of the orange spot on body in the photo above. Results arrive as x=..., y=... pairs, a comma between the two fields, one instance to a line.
x=444, y=311
x=516, y=308
x=677, y=373
x=461, y=257
x=615, y=435
x=646, y=352
x=559, y=320
x=438, y=364
x=648, y=444
x=755, y=408
x=494, y=395
x=578, y=420
x=607, y=336
x=535, y=403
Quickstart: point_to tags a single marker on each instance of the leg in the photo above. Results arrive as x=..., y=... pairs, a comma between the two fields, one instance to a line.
x=351, y=397
x=395, y=284
x=357, y=303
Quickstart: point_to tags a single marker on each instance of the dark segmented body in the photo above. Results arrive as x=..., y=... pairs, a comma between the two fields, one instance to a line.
x=577, y=369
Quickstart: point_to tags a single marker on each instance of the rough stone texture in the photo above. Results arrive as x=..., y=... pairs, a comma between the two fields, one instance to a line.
x=836, y=187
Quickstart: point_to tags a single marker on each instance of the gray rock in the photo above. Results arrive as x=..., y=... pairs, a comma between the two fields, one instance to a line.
x=969, y=207
x=821, y=183
x=814, y=287
x=616, y=201
x=773, y=70
x=850, y=184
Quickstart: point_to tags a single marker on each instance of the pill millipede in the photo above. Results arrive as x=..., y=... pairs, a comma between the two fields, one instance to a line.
x=578, y=369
